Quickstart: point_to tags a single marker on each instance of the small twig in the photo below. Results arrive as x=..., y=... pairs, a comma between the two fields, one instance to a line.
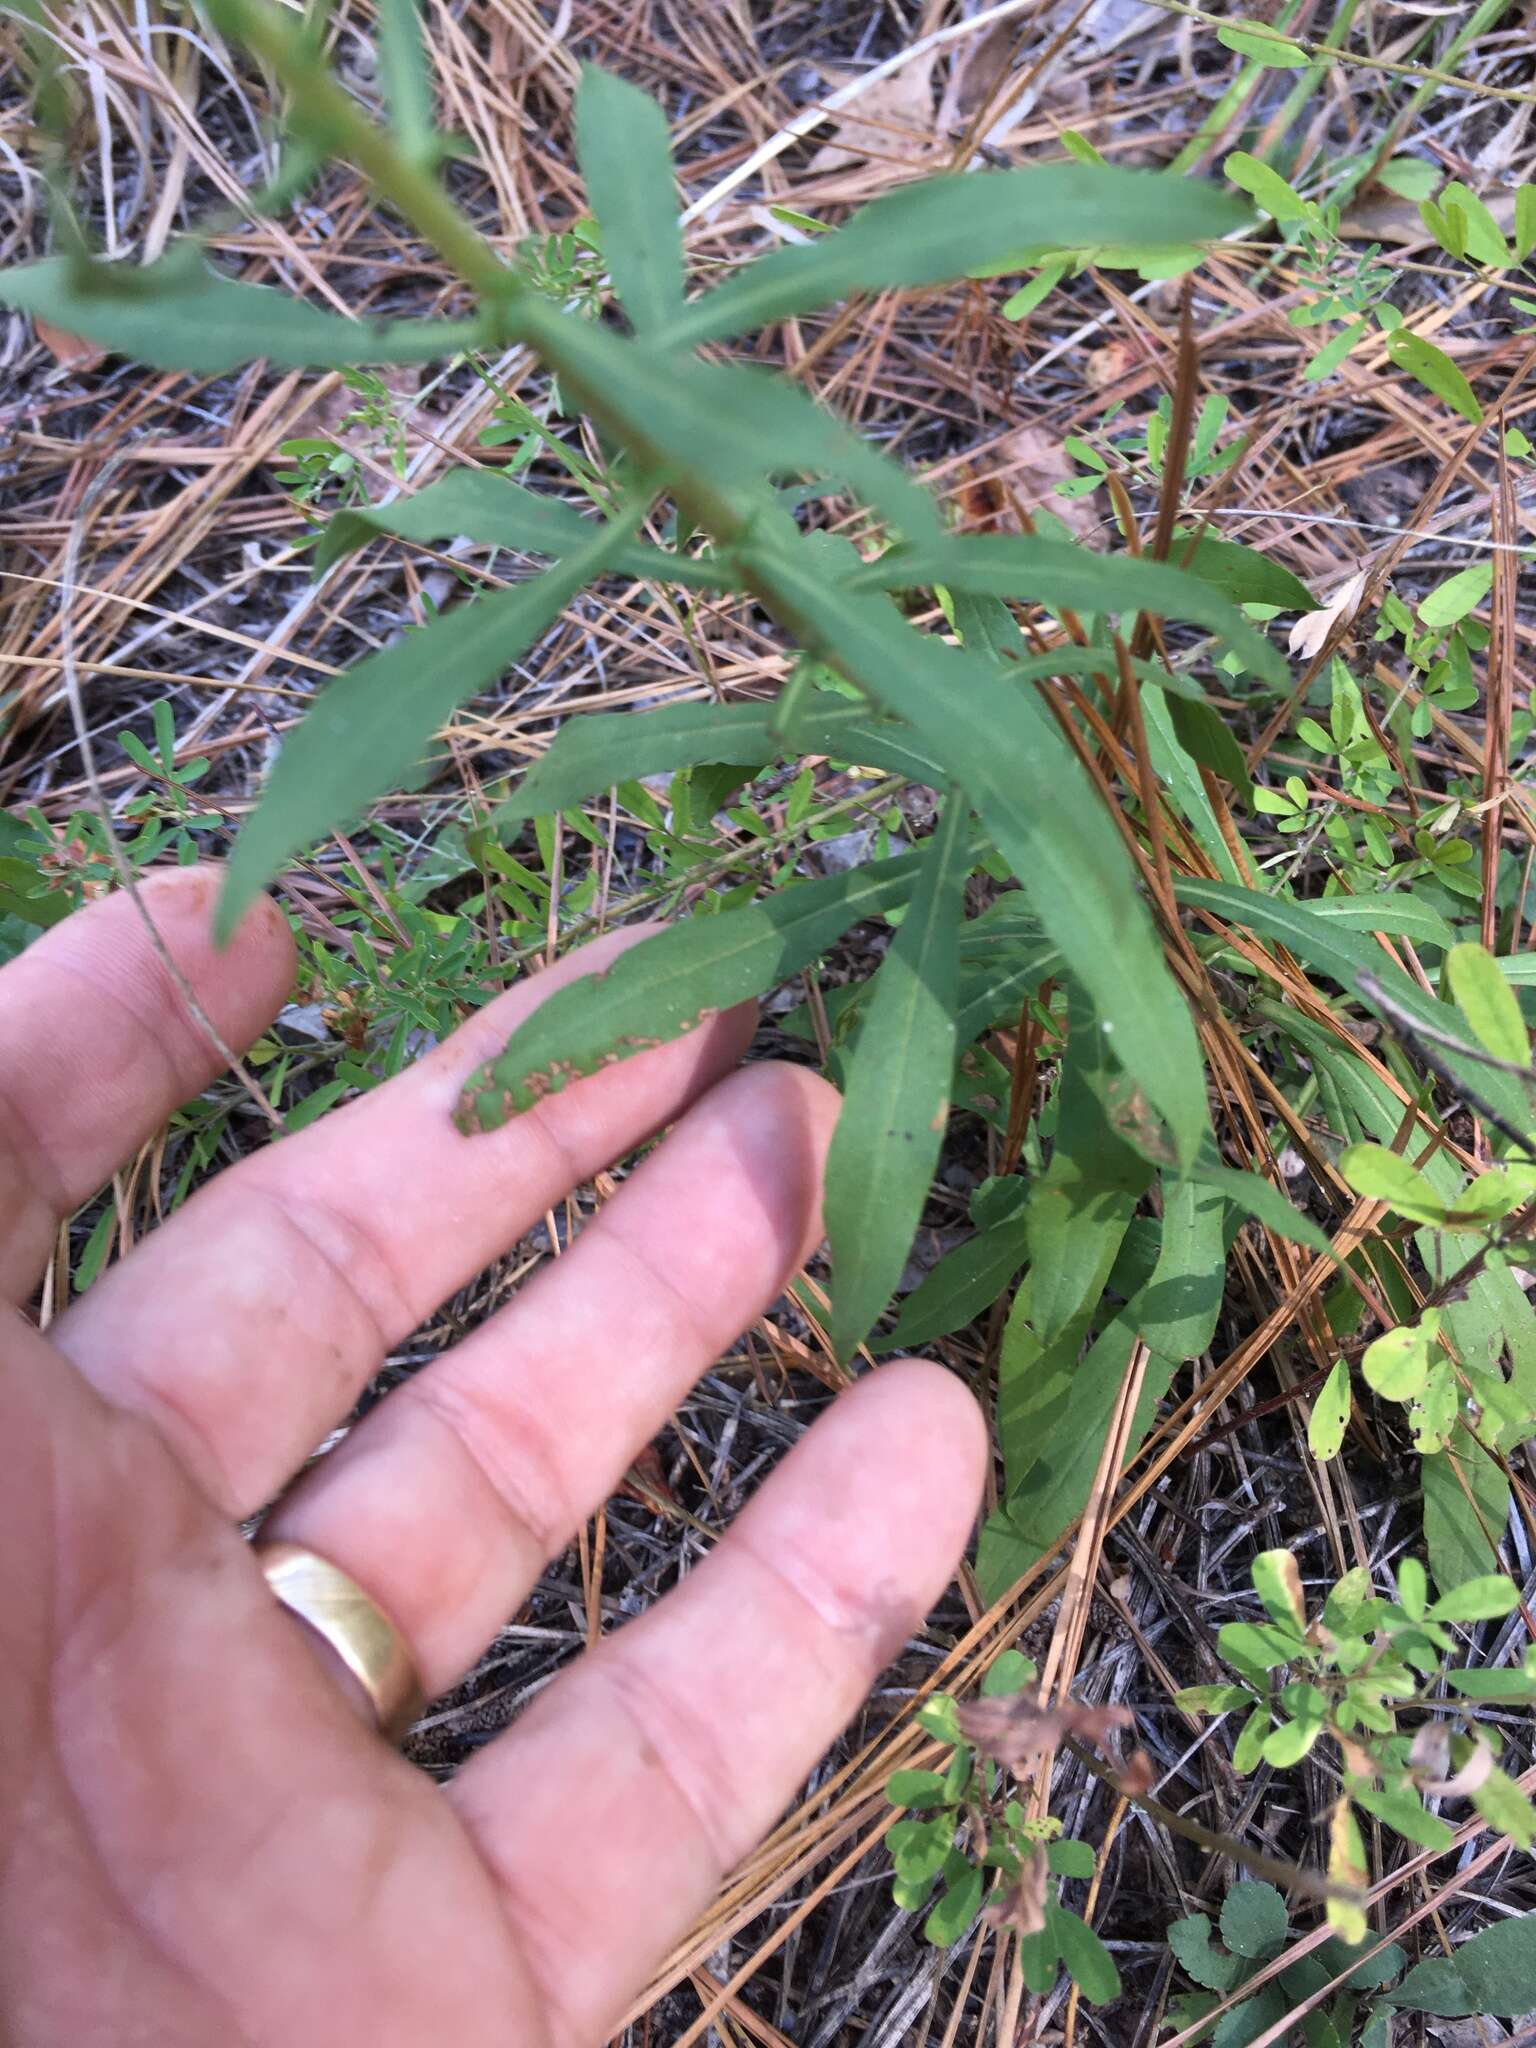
x=120, y=861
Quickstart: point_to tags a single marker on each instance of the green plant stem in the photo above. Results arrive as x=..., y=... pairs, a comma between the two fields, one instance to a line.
x=1221, y=115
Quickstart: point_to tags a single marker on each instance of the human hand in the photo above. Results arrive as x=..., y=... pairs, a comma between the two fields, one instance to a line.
x=205, y=1840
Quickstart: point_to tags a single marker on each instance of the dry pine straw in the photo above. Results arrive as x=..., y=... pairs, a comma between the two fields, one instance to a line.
x=193, y=589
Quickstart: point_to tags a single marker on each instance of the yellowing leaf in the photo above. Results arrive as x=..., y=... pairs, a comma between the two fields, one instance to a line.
x=1346, y=1866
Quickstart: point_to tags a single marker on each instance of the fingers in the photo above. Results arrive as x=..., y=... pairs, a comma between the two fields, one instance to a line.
x=248, y=1325
x=449, y=1499
x=97, y=1045
x=612, y=1810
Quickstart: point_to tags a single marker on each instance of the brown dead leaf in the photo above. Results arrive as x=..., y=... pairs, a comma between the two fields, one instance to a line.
x=323, y=419
x=976, y=73
x=1429, y=1760
x=69, y=351
x=1022, y=469
x=1016, y=1729
x=1021, y=1905
x=1138, y=1777
x=1107, y=365
x=890, y=123
x=1311, y=630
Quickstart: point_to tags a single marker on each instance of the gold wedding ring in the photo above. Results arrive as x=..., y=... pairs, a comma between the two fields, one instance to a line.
x=355, y=1627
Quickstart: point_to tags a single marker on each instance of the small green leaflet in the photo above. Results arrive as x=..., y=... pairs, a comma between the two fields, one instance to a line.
x=887, y=1141
x=1488, y=1003
x=1449, y=603
x=1262, y=46
x=1330, y=1414
x=1089, y=1963
x=1384, y=1176
x=177, y=314
x=626, y=160
x=1435, y=370
x=368, y=729
x=936, y=231
x=1278, y=199
x=673, y=982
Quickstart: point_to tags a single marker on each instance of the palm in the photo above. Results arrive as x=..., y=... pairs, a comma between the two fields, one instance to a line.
x=205, y=1840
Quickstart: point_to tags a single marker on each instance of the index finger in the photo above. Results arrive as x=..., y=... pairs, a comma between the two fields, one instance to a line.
x=98, y=1045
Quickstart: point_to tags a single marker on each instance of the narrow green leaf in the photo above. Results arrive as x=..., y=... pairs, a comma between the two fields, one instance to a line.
x=1318, y=933
x=673, y=981
x=593, y=751
x=1330, y=1414
x=963, y=1284
x=887, y=1140
x=177, y=314
x=1435, y=371
x=1278, y=199
x=1525, y=222
x=1466, y=1505
x=369, y=728
x=406, y=80
x=1333, y=352
x=1248, y=1750
x=626, y=160
x=1262, y=1200
x=1487, y=1598
x=475, y=504
x=1004, y=748
x=1212, y=1699
x=940, y=229
x=1488, y=1003
x=1022, y=566
x=1206, y=737
x=1020, y=304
